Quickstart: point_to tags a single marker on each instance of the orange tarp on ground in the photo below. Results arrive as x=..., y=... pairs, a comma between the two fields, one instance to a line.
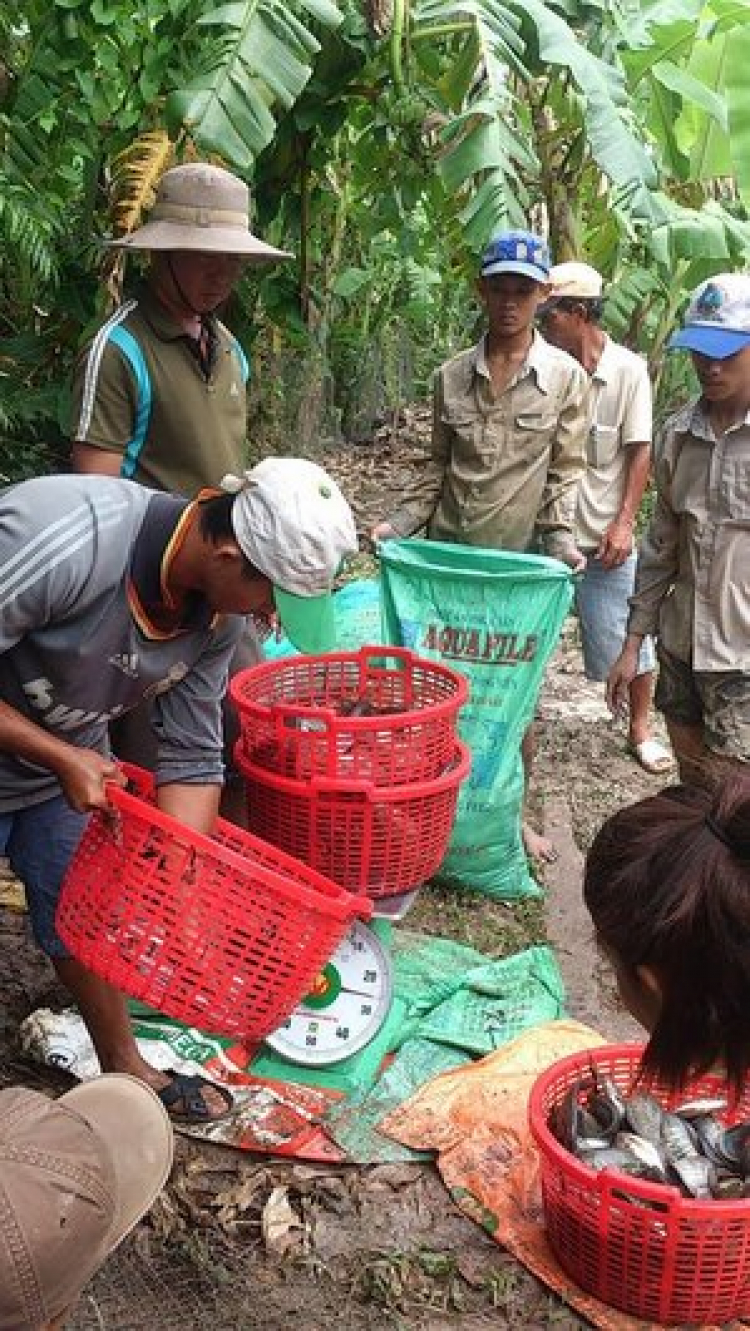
x=476, y=1119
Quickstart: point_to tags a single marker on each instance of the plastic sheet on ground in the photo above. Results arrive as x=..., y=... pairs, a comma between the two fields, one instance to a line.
x=458, y=1005
x=274, y=1117
x=456, y=995
x=453, y=1003
x=475, y=1117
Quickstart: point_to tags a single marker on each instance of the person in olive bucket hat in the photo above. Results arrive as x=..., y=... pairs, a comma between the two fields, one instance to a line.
x=159, y=393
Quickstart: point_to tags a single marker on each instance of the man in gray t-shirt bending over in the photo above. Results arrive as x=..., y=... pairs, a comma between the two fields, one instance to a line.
x=111, y=594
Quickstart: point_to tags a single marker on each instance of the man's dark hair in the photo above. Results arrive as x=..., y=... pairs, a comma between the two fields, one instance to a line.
x=592, y=307
x=667, y=884
x=215, y=516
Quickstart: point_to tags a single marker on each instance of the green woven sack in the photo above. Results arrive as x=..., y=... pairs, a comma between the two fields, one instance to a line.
x=496, y=617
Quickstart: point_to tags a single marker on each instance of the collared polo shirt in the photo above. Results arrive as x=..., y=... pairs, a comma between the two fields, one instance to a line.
x=502, y=471
x=692, y=584
x=621, y=417
x=140, y=390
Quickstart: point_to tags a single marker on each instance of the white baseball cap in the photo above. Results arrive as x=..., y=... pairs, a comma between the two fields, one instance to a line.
x=574, y=281
x=292, y=522
x=717, y=322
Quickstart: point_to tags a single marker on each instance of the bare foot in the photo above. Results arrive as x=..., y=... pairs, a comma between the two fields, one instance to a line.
x=539, y=849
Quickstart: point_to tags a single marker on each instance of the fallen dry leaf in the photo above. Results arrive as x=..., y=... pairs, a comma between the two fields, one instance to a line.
x=281, y=1227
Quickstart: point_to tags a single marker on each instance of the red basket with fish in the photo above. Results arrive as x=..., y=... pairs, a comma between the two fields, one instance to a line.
x=382, y=714
x=649, y=1214
x=381, y=840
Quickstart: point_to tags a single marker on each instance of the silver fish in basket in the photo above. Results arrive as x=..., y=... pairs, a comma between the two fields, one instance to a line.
x=689, y=1147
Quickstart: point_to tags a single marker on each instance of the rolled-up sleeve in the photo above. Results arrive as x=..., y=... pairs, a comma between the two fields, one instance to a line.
x=658, y=558
x=187, y=719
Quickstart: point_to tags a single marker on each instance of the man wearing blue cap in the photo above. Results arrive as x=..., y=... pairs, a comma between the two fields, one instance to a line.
x=510, y=421
x=692, y=586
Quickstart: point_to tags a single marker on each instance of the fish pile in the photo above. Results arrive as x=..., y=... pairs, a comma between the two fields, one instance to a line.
x=688, y=1147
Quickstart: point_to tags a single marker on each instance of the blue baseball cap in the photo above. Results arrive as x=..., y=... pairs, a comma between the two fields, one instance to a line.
x=717, y=321
x=517, y=252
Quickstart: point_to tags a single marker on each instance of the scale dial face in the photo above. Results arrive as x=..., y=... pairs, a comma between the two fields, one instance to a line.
x=346, y=1007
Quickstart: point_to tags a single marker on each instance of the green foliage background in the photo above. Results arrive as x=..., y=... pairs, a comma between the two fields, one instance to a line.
x=384, y=144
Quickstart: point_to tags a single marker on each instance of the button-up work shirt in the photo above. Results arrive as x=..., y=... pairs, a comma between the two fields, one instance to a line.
x=693, y=579
x=503, y=471
x=621, y=410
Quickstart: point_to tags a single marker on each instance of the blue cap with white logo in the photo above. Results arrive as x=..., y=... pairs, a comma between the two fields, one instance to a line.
x=717, y=322
x=517, y=252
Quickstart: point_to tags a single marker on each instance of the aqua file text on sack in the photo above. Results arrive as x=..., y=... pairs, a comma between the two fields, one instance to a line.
x=464, y=644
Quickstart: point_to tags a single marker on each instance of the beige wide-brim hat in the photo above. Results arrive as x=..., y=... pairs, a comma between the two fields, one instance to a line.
x=76, y=1175
x=131, y=1119
x=200, y=207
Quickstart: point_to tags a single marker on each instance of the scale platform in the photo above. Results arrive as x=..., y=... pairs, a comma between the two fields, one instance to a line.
x=395, y=908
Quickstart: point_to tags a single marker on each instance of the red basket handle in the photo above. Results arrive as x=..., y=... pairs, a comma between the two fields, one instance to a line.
x=332, y=785
x=325, y=722
x=373, y=650
x=403, y=654
x=300, y=711
x=140, y=781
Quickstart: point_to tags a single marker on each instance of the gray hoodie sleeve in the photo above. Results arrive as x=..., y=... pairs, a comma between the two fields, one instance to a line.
x=187, y=718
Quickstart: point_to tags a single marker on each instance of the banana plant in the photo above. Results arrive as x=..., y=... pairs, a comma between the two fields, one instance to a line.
x=257, y=55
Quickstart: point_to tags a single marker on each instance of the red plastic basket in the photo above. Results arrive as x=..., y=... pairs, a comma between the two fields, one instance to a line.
x=290, y=719
x=224, y=932
x=376, y=839
x=637, y=1245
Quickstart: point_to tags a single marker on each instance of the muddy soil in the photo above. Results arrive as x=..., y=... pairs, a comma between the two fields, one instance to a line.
x=377, y=1247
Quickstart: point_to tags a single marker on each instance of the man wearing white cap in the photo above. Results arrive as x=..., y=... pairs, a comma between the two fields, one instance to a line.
x=692, y=586
x=609, y=496
x=159, y=394
x=76, y=1176
x=112, y=594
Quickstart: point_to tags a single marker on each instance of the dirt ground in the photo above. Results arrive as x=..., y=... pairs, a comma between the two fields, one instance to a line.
x=382, y=1246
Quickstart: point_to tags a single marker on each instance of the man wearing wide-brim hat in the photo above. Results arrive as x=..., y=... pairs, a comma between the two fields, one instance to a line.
x=159, y=393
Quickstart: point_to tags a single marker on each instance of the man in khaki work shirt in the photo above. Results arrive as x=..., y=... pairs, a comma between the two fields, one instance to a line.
x=510, y=420
x=692, y=584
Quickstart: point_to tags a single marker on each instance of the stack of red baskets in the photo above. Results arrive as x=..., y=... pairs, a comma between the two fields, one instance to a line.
x=352, y=762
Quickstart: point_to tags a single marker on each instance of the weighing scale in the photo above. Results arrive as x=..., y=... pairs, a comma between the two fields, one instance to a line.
x=339, y=1034
x=348, y=1003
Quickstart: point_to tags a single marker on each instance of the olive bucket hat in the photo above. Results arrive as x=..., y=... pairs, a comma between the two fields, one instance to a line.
x=200, y=207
